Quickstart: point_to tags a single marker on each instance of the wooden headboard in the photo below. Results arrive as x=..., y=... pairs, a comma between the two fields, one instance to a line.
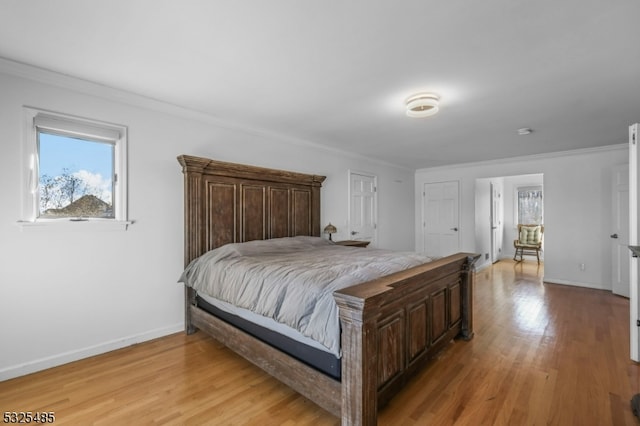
x=228, y=203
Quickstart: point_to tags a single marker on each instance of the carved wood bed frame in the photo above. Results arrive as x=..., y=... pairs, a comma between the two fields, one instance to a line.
x=390, y=326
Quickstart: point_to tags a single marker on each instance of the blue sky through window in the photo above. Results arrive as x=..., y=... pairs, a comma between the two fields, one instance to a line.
x=89, y=161
x=59, y=152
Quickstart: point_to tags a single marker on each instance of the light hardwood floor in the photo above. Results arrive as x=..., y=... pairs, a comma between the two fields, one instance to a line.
x=542, y=354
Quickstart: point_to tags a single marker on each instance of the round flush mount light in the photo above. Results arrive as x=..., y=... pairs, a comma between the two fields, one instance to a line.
x=524, y=131
x=422, y=105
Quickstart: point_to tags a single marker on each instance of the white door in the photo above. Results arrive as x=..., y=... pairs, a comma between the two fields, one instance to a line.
x=441, y=221
x=496, y=223
x=634, y=188
x=362, y=206
x=620, y=254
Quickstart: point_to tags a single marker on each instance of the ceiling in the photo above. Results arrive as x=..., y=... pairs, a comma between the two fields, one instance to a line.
x=337, y=72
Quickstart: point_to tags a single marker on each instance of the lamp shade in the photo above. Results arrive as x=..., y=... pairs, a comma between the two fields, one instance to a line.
x=330, y=229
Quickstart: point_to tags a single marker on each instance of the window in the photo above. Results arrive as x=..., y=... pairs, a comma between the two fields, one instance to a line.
x=529, y=205
x=75, y=170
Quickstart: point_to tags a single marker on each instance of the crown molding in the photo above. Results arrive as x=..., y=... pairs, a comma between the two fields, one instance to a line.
x=66, y=81
x=543, y=156
x=43, y=75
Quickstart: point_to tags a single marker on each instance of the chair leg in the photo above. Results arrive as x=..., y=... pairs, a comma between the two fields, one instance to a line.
x=518, y=249
x=538, y=255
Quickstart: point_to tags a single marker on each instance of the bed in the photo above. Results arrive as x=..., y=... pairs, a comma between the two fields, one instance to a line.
x=389, y=327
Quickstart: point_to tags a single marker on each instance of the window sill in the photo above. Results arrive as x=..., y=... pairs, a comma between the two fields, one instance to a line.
x=76, y=225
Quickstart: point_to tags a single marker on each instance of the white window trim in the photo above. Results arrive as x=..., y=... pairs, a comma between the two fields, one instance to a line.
x=81, y=127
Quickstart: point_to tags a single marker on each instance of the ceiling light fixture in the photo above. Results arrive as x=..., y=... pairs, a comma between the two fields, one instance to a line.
x=422, y=105
x=524, y=131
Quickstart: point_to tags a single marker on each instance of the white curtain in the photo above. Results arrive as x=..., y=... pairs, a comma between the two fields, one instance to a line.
x=530, y=206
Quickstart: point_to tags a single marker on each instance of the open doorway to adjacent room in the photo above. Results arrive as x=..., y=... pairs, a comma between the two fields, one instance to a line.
x=501, y=203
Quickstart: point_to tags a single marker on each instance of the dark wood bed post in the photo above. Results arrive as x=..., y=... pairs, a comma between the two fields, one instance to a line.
x=469, y=277
x=359, y=364
x=193, y=237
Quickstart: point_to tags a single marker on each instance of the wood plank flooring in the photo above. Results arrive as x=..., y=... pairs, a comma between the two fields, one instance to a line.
x=542, y=354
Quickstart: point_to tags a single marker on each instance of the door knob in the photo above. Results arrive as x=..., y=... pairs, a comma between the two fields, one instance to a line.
x=454, y=229
x=354, y=232
x=614, y=235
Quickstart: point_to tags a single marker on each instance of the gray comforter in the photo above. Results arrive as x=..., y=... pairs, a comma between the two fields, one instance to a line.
x=291, y=280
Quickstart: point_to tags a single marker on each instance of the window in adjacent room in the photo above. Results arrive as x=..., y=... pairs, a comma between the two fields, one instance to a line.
x=76, y=169
x=529, y=205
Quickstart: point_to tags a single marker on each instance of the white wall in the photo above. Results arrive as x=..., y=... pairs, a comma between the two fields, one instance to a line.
x=577, y=208
x=67, y=295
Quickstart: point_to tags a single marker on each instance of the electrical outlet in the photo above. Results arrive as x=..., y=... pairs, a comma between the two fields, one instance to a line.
x=582, y=267
x=486, y=256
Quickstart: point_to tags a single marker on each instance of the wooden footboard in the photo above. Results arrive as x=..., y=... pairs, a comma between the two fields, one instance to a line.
x=390, y=328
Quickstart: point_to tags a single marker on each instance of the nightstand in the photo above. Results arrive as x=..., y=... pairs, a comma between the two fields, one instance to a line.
x=353, y=243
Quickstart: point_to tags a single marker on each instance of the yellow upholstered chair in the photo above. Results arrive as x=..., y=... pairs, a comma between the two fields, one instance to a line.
x=529, y=241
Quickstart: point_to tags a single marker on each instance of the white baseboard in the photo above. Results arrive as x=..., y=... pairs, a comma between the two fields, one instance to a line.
x=574, y=283
x=74, y=355
x=482, y=266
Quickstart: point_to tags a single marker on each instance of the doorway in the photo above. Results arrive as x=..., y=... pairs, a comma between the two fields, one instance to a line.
x=363, y=202
x=496, y=215
x=620, y=255
x=496, y=220
x=440, y=225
